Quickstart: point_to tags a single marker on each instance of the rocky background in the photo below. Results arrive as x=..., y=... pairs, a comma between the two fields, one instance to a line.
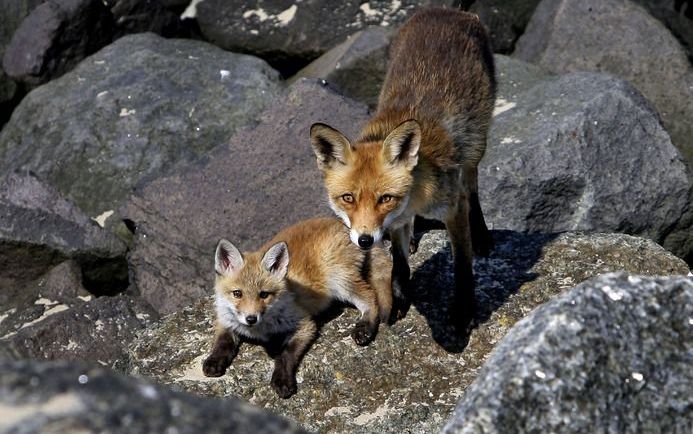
x=136, y=133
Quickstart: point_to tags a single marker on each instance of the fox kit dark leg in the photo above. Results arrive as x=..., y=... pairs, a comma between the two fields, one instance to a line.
x=286, y=364
x=482, y=242
x=458, y=226
x=400, y=238
x=224, y=350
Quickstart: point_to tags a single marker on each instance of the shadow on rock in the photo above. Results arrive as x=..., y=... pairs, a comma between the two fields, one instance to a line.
x=498, y=276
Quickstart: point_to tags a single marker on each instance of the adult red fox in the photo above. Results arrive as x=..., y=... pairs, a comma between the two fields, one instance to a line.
x=419, y=153
x=280, y=289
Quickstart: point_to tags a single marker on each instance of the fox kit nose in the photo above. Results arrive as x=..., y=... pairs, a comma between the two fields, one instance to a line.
x=251, y=319
x=365, y=241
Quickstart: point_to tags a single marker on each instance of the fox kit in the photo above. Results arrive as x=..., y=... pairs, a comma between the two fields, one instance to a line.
x=280, y=289
x=419, y=154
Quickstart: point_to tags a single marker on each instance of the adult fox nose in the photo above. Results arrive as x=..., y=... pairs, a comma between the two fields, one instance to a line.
x=365, y=241
x=251, y=319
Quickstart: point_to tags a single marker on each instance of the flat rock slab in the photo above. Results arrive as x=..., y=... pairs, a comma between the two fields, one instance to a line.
x=69, y=397
x=611, y=355
x=245, y=191
x=582, y=151
x=411, y=377
x=131, y=112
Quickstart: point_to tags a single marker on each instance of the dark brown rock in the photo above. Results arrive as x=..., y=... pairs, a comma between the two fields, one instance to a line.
x=263, y=180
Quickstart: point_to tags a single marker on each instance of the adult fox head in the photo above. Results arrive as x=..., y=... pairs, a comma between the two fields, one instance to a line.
x=368, y=185
x=247, y=285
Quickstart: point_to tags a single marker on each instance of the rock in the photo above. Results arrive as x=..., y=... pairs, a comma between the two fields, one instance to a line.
x=611, y=355
x=92, y=330
x=132, y=111
x=39, y=229
x=136, y=16
x=569, y=35
x=411, y=376
x=68, y=397
x=12, y=13
x=356, y=67
x=505, y=20
x=264, y=179
x=581, y=151
x=677, y=15
x=55, y=37
x=290, y=34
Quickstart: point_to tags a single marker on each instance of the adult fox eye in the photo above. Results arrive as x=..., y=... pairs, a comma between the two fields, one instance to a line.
x=264, y=294
x=348, y=198
x=237, y=294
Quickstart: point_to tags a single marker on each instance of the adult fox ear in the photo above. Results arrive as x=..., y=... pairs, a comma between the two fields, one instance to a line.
x=330, y=146
x=276, y=260
x=401, y=146
x=228, y=259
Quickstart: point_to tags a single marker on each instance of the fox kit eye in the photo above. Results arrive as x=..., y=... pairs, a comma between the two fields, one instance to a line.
x=264, y=294
x=385, y=198
x=237, y=293
x=348, y=198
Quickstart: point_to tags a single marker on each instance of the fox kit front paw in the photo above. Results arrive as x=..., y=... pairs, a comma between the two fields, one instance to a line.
x=284, y=383
x=364, y=333
x=214, y=366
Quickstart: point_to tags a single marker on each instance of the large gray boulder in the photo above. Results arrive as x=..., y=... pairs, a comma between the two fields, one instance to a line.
x=246, y=190
x=290, y=34
x=621, y=38
x=582, y=151
x=55, y=37
x=132, y=111
x=39, y=229
x=505, y=20
x=356, y=67
x=612, y=355
x=69, y=397
x=677, y=15
x=410, y=378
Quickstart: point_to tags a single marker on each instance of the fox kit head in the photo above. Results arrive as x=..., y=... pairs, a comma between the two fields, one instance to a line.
x=368, y=185
x=248, y=284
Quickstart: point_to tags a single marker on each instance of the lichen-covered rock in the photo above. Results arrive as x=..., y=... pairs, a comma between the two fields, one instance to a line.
x=357, y=66
x=69, y=397
x=612, y=355
x=411, y=376
x=132, y=111
x=39, y=229
x=245, y=191
x=289, y=34
x=582, y=151
x=571, y=35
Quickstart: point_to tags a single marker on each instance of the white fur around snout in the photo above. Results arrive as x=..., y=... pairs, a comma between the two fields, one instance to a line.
x=282, y=316
x=377, y=236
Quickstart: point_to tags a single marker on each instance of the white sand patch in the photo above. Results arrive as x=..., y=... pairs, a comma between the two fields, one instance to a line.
x=368, y=11
x=502, y=106
x=126, y=112
x=338, y=411
x=286, y=16
x=52, y=311
x=45, y=301
x=193, y=371
x=191, y=10
x=101, y=218
x=85, y=297
x=366, y=418
x=259, y=13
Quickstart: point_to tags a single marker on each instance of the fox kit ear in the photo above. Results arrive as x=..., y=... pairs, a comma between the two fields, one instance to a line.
x=329, y=145
x=276, y=260
x=228, y=259
x=401, y=146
